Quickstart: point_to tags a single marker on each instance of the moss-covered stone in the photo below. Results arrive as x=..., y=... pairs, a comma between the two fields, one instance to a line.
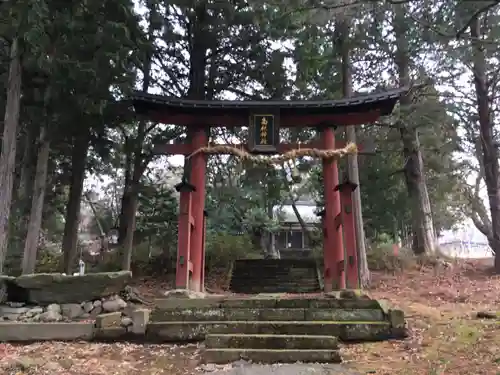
x=227, y=314
x=184, y=303
x=178, y=331
x=384, y=306
x=397, y=319
x=271, y=356
x=196, y=331
x=269, y=341
x=352, y=294
x=356, y=315
x=292, y=303
x=113, y=319
x=250, y=303
x=193, y=315
x=46, y=288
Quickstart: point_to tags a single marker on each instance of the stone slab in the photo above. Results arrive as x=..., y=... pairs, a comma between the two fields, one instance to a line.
x=227, y=314
x=196, y=331
x=352, y=315
x=221, y=356
x=46, y=288
x=140, y=320
x=110, y=333
x=288, y=369
x=19, y=332
x=267, y=300
x=266, y=314
x=266, y=341
x=186, y=303
x=108, y=320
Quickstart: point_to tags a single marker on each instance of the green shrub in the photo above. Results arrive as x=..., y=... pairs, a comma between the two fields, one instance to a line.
x=48, y=261
x=221, y=250
x=382, y=258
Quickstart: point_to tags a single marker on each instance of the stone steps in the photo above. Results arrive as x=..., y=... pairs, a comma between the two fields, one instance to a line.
x=192, y=331
x=274, y=327
x=253, y=276
x=272, y=356
x=269, y=341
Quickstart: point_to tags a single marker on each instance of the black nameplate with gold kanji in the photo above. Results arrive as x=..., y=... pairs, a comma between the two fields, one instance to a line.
x=263, y=133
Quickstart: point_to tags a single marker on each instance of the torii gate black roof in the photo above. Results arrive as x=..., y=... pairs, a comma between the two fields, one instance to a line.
x=381, y=102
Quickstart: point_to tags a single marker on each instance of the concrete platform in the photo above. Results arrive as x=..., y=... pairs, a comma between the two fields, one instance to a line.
x=25, y=332
x=265, y=314
x=191, y=331
x=271, y=356
x=272, y=301
x=265, y=341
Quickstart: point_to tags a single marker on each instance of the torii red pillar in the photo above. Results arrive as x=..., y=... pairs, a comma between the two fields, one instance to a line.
x=347, y=218
x=333, y=249
x=184, y=266
x=197, y=178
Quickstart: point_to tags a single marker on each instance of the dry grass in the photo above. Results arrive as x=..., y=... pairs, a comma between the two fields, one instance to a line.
x=445, y=336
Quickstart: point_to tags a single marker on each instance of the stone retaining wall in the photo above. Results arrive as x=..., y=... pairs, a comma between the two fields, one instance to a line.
x=65, y=312
x=47, y=288
x=62, y=307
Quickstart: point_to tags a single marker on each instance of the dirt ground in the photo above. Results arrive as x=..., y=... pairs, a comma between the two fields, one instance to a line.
x=446, y=337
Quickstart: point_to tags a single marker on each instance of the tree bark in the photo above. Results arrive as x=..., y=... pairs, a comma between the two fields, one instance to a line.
x=352, y=160
x=490, y=164
x=422, y=223
x=35, y=222
x=8, y=152
x=130, y=210
x=70, y=237
x=136, y=165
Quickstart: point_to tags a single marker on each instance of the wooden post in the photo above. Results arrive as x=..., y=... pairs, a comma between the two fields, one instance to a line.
x=346, y=190
x=198, y=170
x=184, y=265
x=205, y=215
x=333, y=249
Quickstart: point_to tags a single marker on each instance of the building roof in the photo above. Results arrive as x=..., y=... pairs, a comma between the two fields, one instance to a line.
x=292, y=112
x=306, y=211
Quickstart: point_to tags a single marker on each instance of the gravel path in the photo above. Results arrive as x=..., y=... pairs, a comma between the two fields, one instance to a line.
x=285, y=369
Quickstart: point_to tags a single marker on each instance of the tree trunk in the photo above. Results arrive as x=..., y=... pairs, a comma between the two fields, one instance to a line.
x=27, y=168
x=490, y=164
x=135, y=166
x=70, y=237
x=128, y=244
x=8, y=152
x=35, y=222
x=125, y=201
x=352, y=160
x=422, y=223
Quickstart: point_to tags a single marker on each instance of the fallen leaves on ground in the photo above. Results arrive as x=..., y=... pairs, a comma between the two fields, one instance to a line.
x=98, y=359
x=445, y=335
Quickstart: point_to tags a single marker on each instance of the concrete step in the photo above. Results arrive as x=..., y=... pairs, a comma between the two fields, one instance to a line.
x=272, y=287
x=271, y=356
x=266, y=341
x=288, y=277
x=275, y=262
x=266, y=314
x=246, y=289
x=192, y=331
x=270, y=300
x=254, y=276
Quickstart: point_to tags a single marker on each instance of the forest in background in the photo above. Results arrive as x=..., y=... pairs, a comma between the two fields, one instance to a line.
x=68, y=69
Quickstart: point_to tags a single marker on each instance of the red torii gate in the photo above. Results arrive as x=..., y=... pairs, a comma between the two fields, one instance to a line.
x=264, y=119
